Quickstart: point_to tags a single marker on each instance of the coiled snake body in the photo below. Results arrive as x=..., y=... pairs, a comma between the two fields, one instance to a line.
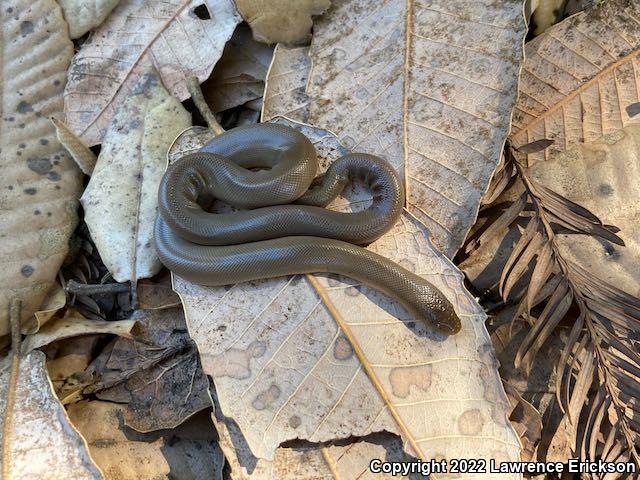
x=264, y=168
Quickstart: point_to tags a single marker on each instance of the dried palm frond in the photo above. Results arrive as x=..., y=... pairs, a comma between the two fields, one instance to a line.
x=598, y=374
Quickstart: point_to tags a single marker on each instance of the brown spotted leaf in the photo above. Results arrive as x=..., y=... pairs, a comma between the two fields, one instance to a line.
x=39, y=184
x=37, y=439
x=579, y=77
x=323, y=357
x=427, y=85
x=138, y=35
x=287, y=21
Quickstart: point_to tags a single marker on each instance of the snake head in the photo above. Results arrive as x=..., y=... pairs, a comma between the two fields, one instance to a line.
x=438, y=313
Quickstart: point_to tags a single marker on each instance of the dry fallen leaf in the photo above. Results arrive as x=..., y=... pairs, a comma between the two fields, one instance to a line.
x=329, y=462
x=55, y=300
x=428, y=88
x=285, y=91
x=189, y=452
x=156, y=374
x=137, y=35
x=81, y=154
x=73, y=324
x=579, y=77
x=39, y=184
x=320, y=358
x=37, y=439
x=286, y=21
x=121, y=198
x=82, y=16
x=239, y=75
x=602, y=176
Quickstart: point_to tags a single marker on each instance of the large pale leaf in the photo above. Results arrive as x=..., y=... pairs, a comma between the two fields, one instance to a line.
x=602, y=176
x=137, y=35
x=579, y=77
x=287, y=21
x=120, y=200
x=82, y=15
x=188, y=452
x=427, y=85
x=321, y=357
x=39, y=183
x=37, y=439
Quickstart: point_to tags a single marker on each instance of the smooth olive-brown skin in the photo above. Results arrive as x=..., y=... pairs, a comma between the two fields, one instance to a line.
x=264, y=169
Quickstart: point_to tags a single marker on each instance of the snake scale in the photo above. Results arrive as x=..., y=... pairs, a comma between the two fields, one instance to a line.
x=269, y=171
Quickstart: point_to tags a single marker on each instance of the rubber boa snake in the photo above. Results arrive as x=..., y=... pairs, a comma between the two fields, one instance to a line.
x=269, y=171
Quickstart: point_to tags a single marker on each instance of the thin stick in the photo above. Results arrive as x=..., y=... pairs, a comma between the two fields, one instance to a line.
x=14, y=319
x=193, y=85
x=78, y=288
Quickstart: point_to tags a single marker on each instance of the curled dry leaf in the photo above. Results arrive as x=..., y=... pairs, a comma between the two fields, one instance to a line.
x=156, y=374
x=239, y=76
x=427, y=88
x=188, y=452
x=39, y=184
x=81, y=154
x=579, y=77
x=37, y=439
x=73, y=324
x=55, y=300
x=138, y=35
x=286, y=21
x=602, y=177
x=320, y=358
x=82, y=16
x=121, y=198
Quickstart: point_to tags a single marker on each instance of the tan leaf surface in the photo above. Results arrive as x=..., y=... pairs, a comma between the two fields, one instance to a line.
x=602, y=176
x=321, y=357
x=427, y=85
x=81, y=154
x=55, y=300
x=286, y=21
x=83, y=15
x=137, y=35
x=188, y=452
x=41, y=442
x=285, y=90
x=73, y=324
x=121, y=198
x=239, y=75
x=329, y=462
x=156, y=374
x=39, y=183
x=579, y=77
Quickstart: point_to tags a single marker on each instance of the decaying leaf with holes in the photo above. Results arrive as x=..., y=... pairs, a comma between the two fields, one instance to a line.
x=39, y=184
x=579, y=78
x=286, y=21
x=121, y=198
x=137, y=36
x=321, y=357
x=37, y=439
x=427, y=88
x=82, y=16
x=156, y=375
x=327, y=462
x=188, y=452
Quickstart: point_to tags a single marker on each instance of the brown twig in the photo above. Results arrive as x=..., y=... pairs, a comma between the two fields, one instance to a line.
x=193, y=85
x=76, y=288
